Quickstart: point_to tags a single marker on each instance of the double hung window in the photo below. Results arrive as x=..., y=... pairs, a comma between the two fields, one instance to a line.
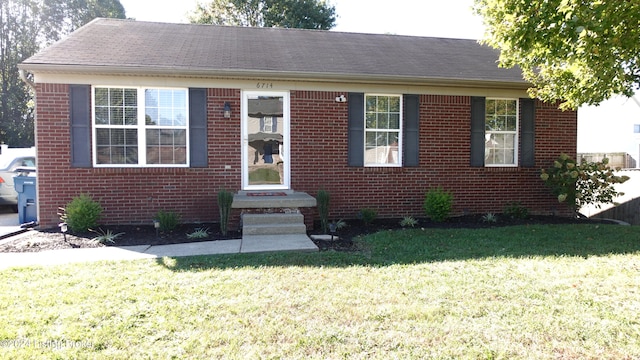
x=383, y=130
x=501, y=132
x=140, y=126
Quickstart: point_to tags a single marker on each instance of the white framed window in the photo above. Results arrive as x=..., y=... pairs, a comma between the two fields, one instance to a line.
x=122, y=139
x=501, y=132
x=636, y=128
x=383, y=130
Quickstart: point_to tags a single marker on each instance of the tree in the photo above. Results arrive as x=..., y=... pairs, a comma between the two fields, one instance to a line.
x=573, y=51
x=25, y=25
x=305, y=14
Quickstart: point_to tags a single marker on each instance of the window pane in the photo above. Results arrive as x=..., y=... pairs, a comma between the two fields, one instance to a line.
x=383, y=104
x=394, y=104
x=116, y=97
x=131, y=116
x=102, y=137
x=102, y=97
x=166, y=117
x=371, y=104
x=116, y=116
x=131, y=97
x=151, y=98
x=180, y=117
x=371, y=121
x=151, y=116
x=383, y=121
x=179, y=99
x=394, y=121
x=102, y=116
x=371, y=139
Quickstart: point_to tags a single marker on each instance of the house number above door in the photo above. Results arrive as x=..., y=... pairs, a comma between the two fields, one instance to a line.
x=264, y=85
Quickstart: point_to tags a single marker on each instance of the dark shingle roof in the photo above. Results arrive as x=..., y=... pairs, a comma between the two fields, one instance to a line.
x=109, y=45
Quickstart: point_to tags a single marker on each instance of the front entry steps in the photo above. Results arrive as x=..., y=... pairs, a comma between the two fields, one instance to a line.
x=263, y=232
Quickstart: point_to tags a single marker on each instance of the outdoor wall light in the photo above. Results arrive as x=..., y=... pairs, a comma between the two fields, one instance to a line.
x=341, y=99
x=227, y=110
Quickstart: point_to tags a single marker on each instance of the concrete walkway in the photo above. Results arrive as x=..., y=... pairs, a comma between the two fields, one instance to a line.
x=250, y=244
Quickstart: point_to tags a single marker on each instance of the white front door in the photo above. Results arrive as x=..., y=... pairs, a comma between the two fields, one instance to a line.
x=265, y=140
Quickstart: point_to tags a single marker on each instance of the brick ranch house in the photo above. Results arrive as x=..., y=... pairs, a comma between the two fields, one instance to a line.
x=150, y=116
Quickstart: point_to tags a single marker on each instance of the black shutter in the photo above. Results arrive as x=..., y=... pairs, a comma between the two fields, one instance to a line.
x=477, y=130
x=198, y=127
x=411, y=130
x=80, y=113
x=356, y=129
x=274, y=124
x=527, y=138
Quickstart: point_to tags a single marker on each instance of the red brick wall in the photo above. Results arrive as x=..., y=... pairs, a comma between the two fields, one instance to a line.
x=318, y=160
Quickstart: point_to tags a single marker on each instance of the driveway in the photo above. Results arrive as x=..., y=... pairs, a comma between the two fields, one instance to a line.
x=8, y=217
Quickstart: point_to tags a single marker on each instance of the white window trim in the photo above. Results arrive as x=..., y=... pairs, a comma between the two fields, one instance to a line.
x=399, y=131
x=516, y=141
x=140, y=127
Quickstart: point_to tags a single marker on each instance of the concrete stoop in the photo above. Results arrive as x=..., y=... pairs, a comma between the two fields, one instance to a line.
x=275, y=232
x=269, y=243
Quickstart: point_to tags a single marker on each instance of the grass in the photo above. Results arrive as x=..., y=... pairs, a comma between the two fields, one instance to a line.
x=526, y=292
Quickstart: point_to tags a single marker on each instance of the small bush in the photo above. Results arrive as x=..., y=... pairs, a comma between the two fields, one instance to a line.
x=368, y=215
x=437, y=204
x=408, y=221
x=105, y=236
x=516, y=211
x=199, y=233
x=168, y=220
x=323, y=209
x=225, y=199
x=82, y=213
x=337, y=225
x=490, y=218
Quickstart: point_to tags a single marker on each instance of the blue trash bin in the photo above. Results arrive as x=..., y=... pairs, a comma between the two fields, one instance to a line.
x=25, y=185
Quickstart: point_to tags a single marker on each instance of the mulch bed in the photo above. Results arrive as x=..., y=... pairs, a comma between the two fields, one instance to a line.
x=51, y=239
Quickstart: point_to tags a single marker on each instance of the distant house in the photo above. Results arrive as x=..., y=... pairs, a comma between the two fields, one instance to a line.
x=152, y=116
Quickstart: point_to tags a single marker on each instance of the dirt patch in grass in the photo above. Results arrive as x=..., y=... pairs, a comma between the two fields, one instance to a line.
x=35, y=240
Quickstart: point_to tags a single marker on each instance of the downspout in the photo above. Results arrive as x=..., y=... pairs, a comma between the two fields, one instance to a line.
x=26, y=80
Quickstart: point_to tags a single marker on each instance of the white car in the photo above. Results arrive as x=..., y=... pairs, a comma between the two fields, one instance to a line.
x=10, y=160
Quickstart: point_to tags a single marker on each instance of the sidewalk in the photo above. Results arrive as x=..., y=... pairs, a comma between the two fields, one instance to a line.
x=250, y=244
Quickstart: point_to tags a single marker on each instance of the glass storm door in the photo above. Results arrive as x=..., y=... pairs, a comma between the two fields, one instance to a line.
x=265, y=140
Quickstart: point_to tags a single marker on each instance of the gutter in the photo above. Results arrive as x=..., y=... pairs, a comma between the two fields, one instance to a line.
x=26, y=80
x=261, y=74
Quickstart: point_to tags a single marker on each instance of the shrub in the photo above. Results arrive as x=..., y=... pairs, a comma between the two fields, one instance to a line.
x=82, y=213
x=437, y=204
x=516, y=210
x=225, y=199
x=106, y=236
x=582, y=184
x=168, y=220
x=199, y=233
x=368, y=215
x=337, y=225
x=323, y=209
x=490, y=218
x=408, y=221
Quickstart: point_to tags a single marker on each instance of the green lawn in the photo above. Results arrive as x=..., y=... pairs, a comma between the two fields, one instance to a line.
x=526, y=292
